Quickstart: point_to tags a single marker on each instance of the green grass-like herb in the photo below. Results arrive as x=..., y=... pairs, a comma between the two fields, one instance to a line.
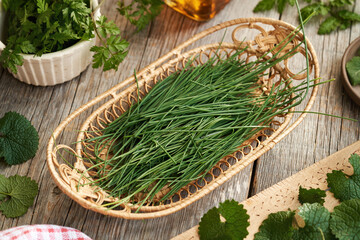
x=186, y=124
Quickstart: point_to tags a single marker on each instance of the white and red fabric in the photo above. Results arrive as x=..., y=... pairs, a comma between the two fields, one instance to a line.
x=42, y=232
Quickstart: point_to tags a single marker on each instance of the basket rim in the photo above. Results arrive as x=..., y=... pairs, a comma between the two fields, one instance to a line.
x=150, y=69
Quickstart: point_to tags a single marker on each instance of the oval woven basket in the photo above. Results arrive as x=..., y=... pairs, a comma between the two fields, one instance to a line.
x=68, y=168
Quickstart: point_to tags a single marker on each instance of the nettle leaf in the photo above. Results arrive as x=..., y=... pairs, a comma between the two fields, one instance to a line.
x=235, y=227
x=278, y=226
x=345, y=220
x=313, y=195
x=343, y=186
x=307, y=233
x=264, y=5
x=19, y=140
x=316, y=217
x=17, y=195
x=353, y=70
x=330, y=24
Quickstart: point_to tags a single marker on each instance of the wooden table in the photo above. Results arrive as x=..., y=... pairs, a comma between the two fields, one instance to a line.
x=316, y=137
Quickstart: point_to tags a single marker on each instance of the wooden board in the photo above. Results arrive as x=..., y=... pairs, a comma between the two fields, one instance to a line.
x=316, y=137
x=284, y=195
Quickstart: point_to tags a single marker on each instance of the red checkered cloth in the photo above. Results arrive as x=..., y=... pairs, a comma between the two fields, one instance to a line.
x=42, y=232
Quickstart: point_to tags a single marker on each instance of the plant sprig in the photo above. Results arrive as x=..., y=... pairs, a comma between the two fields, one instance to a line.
x=334, y=11
x=43, y=26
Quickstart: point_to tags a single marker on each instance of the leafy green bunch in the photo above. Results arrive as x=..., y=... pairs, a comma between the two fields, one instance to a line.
x=316, y=221
x=334, y=11
x=45, y=26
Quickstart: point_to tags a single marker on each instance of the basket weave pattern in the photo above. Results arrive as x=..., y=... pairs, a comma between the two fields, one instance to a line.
x=123, y=95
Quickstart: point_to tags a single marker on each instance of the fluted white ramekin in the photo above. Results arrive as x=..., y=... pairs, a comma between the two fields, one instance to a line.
x=57, y=67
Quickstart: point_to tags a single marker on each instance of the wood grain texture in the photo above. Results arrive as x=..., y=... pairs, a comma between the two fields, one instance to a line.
x=46, y=107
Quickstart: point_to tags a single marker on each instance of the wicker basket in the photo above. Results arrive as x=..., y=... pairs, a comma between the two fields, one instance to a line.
x=112, y=103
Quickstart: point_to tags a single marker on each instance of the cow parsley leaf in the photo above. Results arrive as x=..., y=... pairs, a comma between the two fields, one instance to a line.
x=235, y=227
x=19, y=140
x=277, y=226
x=113, y=48
x=140, y=12
x=345, y=220
x=17, y=194
x=343, y=186
x=312, y=195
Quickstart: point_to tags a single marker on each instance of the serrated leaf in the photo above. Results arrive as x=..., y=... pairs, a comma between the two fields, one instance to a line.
x=343, y=186
x=264, y=5
x=210, y=226
x=234, y=228
x=345, y=24
x=307, y=233
x=4, y=183
x=19, y=140
x=347, y=15
x=330, y=24
x=345, y=220
x=313, y=195
x=314, y=9
x=281, y=5
x=353, y=70
x=340, y=3
x=20, y=193
x=278, y=226
x=140, y=12
x=316, y=216
x=236, y=218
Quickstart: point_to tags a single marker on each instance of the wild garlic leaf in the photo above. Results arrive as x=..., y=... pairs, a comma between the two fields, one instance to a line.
x=343, y=186
x=17, y=194
x=278, y=226
x=353, y=70
x=235, y=226
x=19, y=140
x=312, y=195
x=345, y=220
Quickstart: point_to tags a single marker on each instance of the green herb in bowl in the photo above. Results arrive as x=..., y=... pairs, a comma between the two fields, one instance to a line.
x=353, y=70
x=49, y=30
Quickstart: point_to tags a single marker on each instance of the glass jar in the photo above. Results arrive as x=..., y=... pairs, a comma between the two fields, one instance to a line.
x=199, y=10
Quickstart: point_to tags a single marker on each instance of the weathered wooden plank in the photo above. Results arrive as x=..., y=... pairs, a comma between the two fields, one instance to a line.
x=317, y=136
x=47, y=107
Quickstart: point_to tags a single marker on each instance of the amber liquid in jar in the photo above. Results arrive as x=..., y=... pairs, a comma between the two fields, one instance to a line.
x=199, y=10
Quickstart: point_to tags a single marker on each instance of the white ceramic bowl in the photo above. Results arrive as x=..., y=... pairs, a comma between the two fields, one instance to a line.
x=57, y=67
